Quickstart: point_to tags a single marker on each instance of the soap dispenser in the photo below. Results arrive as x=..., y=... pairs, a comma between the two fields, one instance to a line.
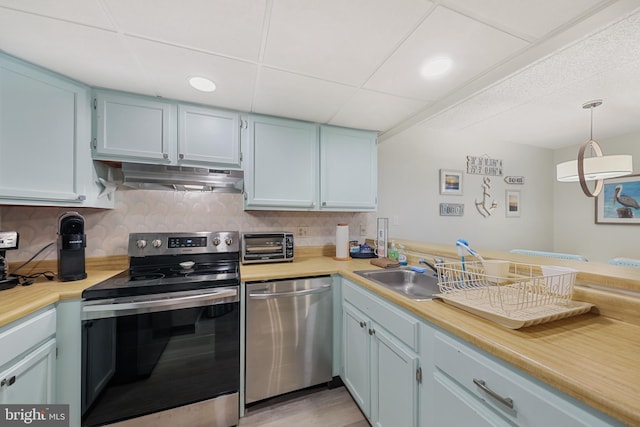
x=393, y=252
x=402, y=258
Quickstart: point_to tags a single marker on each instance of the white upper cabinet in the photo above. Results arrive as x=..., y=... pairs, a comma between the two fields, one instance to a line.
x=294, y=165
x=133, y=127
x=140, y=129
x=208, y=136
x=281, y=164
x=44, y=139
x=348, y=169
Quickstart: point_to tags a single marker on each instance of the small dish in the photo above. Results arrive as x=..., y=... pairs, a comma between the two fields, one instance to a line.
x=187, y=264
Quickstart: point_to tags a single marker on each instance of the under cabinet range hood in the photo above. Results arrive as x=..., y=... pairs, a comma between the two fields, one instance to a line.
x=182, y=178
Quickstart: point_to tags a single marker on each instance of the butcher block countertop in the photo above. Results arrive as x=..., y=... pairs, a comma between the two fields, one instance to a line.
x=594, y=357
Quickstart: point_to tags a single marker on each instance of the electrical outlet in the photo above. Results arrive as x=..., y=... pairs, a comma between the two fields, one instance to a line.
x=363, y=230
x=303, y=231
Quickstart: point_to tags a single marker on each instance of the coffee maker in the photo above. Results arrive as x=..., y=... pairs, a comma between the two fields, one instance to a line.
x=71, y=244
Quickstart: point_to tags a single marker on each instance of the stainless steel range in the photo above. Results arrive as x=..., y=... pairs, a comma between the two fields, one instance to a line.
x=161, y=341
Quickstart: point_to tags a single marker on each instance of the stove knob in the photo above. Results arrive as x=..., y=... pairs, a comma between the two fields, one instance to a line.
x=156, y=243
x=141, y=243
x=216, y=241
x=228, y=241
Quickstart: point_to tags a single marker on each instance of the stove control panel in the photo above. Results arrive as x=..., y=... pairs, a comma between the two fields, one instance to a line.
x=153, y=244
x=187, y=242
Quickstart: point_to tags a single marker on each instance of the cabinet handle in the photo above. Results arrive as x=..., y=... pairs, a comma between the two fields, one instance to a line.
x=419, y=375
x=362, y=324
x=181, y=156
x=324, y=203
x=8, y=382
x=506, y=401
x=165, y=156
x=372, y=331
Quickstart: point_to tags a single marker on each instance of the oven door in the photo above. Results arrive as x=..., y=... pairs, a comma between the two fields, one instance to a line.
x=151, y=353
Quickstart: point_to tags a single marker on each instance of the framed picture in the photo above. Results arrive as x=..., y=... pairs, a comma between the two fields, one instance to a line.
x=451, y=182
x=512, y=203
x=619, y=201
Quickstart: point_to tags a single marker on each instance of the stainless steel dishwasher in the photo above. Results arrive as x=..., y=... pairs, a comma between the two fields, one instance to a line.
x=289, y=336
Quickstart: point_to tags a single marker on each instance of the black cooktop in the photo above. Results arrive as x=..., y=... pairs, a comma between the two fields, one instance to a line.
x=165, y=274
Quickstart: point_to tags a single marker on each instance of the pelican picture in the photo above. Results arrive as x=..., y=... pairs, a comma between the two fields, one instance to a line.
x=619, y=202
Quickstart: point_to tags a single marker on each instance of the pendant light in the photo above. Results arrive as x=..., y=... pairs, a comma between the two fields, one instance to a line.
x=595, y=168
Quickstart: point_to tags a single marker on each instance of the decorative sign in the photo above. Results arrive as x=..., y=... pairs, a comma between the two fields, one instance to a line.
x=484, y=165
x=451, y=209
x=514, y=180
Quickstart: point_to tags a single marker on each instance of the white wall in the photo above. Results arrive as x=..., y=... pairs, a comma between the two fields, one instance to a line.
x=409, y=165
x=574, y=216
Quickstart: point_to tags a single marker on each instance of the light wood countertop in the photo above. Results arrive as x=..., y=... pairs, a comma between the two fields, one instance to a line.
x=592, y=357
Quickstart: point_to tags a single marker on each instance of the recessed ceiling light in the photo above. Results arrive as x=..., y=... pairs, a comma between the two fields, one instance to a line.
x=202, y=84
x=436, y=67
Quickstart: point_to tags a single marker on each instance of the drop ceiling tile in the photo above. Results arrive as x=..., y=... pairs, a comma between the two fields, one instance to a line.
x=534, y=18
x=474, y=47
x=375, y=111
x=92, y=56
x=227, y=27
x=286, y=94
x=342, y=41
x=169, y=68
x=86, y=12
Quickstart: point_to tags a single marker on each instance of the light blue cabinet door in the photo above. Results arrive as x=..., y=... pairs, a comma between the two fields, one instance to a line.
x=31, y=380
x=134, y=128
x=348, y=169
x=38, y=134
x=356, y=357
x=281, y=164
x=394, y=386
x=208, y=137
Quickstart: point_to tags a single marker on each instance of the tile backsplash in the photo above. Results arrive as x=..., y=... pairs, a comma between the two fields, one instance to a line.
x=148, y=210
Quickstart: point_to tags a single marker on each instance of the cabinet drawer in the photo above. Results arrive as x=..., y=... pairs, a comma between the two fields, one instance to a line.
x=401, y=325
x=533, y=404
x=17, y=339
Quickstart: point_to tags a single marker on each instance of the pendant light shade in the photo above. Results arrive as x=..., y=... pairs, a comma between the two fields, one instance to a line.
x=596, y=168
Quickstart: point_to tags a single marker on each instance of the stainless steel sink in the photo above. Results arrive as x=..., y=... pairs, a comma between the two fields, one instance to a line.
x=414, y=285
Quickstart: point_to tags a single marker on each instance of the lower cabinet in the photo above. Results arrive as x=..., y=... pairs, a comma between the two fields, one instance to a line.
x=380, y=368
x=471, y=386
x=30, y=380
x=27, y=360
x=403, y=371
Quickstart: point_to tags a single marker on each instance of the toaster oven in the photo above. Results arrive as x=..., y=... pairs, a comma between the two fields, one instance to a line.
x=267, y=247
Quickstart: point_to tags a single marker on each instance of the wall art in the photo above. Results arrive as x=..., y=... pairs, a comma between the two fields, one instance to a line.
x=512, y=203
x=451, y=209
x=486, y=205
x=450, y=182
x=619, y=201
x=484, y=165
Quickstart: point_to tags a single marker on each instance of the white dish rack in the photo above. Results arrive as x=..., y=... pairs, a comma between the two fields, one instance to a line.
x=529, y=294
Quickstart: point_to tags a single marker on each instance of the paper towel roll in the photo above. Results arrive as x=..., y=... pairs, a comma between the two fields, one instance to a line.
x=342, y=242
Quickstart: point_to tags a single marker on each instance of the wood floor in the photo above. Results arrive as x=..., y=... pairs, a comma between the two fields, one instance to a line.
x=318, y=408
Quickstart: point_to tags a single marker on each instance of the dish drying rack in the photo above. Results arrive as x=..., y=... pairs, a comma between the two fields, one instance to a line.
x=527, y=295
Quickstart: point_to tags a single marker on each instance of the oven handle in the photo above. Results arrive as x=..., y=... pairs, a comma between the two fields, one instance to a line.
x=290, y=293
x=125, y=306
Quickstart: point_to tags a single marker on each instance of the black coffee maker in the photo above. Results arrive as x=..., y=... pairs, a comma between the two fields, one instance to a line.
x=71, y=244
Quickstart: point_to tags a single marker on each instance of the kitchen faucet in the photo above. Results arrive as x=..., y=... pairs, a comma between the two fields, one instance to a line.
x=431, y=266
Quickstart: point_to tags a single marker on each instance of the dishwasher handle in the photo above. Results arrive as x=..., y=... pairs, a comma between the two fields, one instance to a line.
x=303, y=292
